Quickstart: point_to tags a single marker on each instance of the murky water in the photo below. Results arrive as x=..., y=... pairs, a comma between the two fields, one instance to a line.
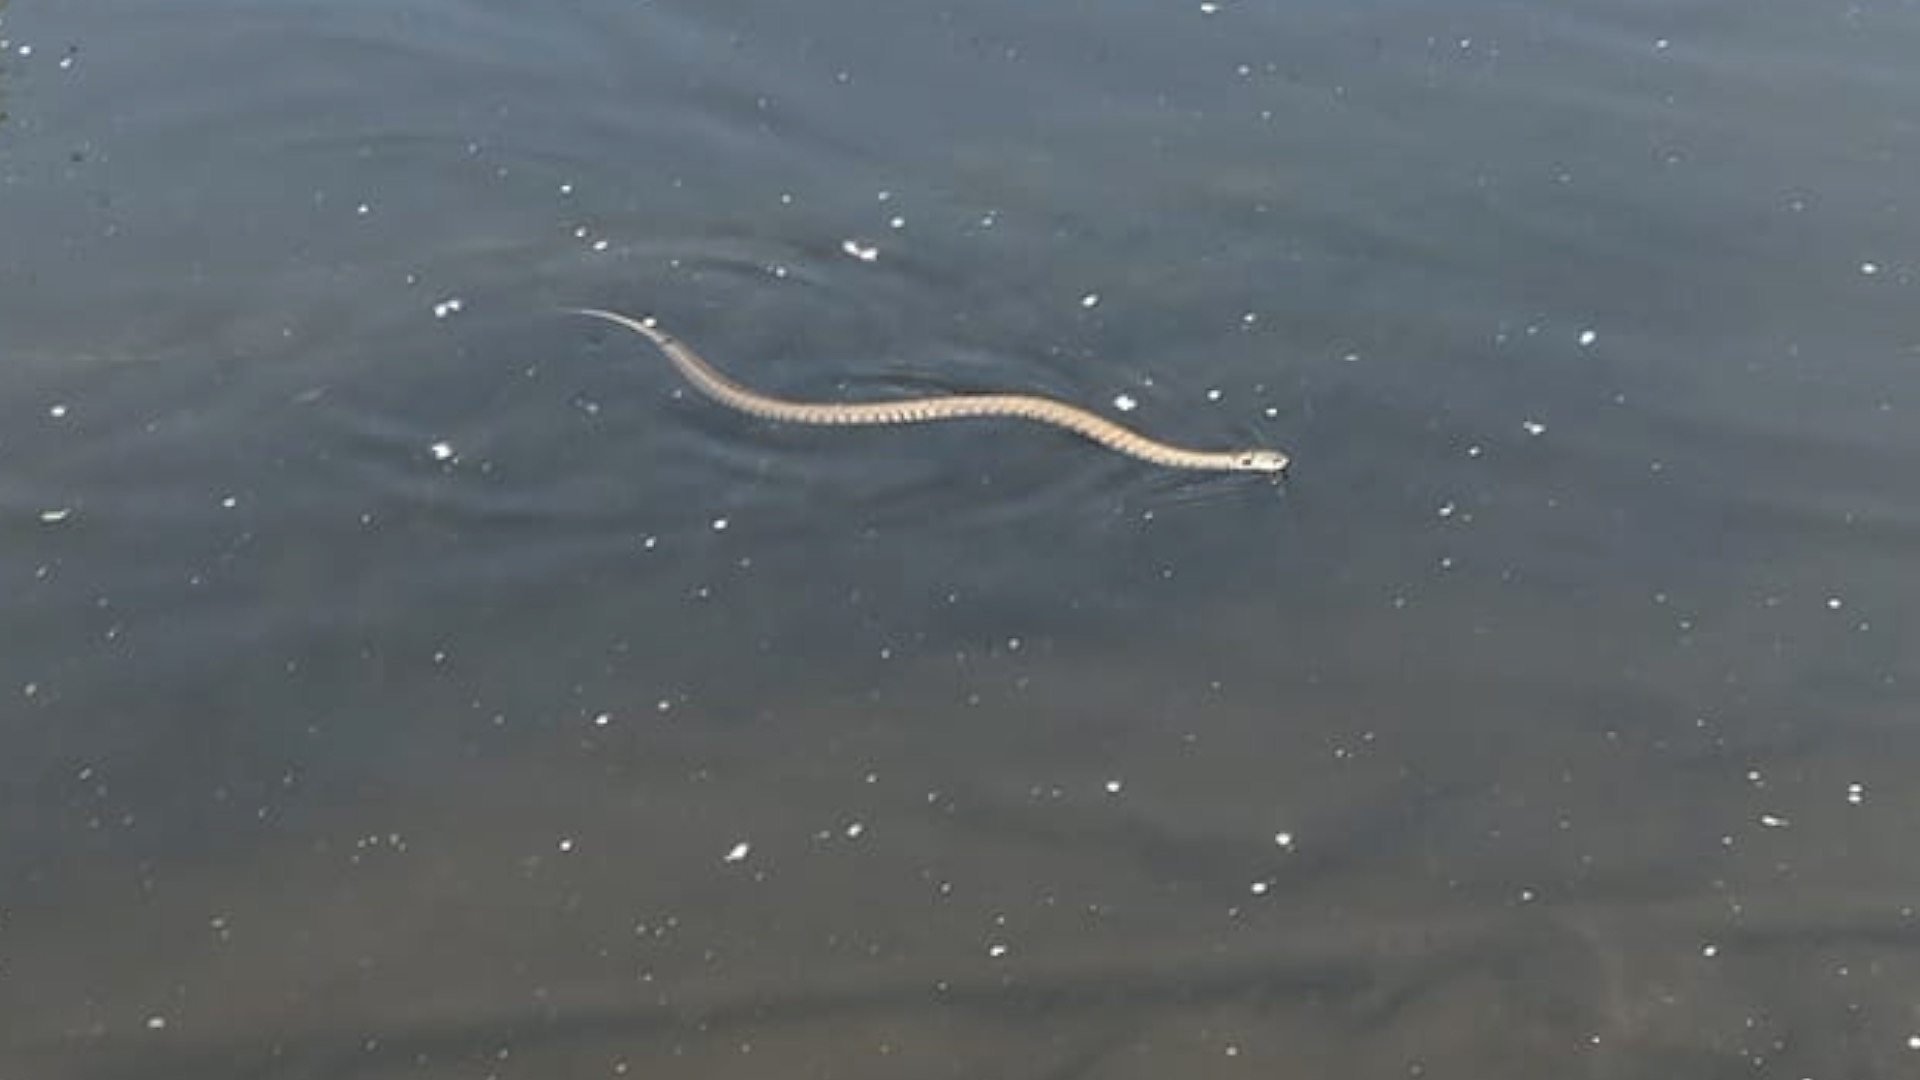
x=404, y=678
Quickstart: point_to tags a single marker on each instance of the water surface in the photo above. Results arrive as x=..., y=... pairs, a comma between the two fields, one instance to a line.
x=404, y=678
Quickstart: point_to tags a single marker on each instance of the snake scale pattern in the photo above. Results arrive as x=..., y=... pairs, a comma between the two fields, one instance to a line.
x=709, y=381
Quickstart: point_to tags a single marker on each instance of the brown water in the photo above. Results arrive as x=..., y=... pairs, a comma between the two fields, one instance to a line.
x=401, y=678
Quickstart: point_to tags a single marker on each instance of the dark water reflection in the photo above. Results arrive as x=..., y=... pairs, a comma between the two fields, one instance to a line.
x=403, y=678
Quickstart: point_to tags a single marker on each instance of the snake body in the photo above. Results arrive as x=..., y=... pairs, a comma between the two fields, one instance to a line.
x=709, y=381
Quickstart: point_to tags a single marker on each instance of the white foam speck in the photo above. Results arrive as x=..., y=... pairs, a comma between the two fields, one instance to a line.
x=737, y=852
x=441, y=451
x=449, y=306
x=1588, y=337
x=996, y=950
x=1113, y=787
x=863, y=252
x=1090, y=300
x=56, y=516
x=1709, y=950
x=57, y=411
x=1125, y=402
x=1258, y=888
x=1773, y=821
x=1856, y=793
x=1869, y=268
x=1284, y=839
x=1533, y=427
x=720, y=524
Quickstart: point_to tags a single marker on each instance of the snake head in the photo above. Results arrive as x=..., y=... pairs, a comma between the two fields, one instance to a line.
x=1266, y=461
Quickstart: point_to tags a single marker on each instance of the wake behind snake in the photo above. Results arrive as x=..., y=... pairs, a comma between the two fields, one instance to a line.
x=709, y=381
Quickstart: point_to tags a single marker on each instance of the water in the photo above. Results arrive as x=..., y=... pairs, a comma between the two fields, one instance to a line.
x=402, y=677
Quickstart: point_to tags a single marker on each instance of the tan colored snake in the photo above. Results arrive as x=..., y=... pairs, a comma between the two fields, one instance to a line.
x=710, y=382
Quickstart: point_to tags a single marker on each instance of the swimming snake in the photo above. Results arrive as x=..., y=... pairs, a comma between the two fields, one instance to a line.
x=709, y=381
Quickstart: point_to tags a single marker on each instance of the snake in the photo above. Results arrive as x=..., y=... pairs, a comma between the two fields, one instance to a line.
x=709, y=381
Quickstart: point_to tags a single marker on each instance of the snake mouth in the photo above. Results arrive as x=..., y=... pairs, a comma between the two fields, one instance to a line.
x=1263, y=461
